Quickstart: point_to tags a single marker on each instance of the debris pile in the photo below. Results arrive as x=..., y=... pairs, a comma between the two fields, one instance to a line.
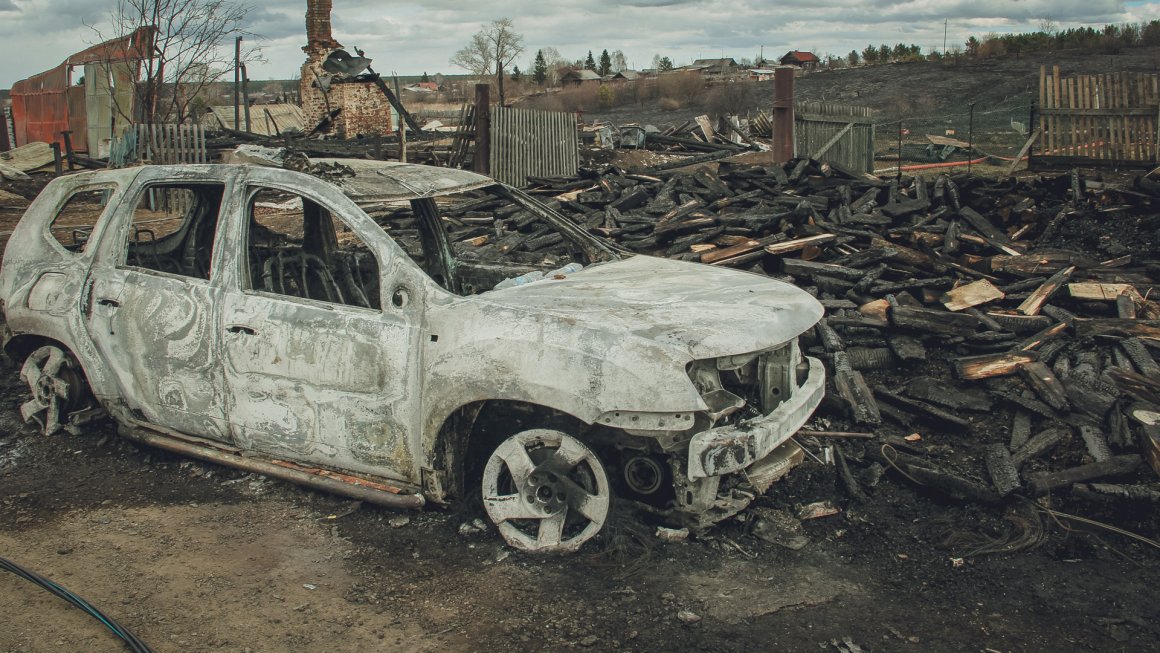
x=1006, y=327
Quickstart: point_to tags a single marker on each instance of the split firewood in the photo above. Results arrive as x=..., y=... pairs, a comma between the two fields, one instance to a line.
x=1037, y=299
x=985, y=366
x=971, y=294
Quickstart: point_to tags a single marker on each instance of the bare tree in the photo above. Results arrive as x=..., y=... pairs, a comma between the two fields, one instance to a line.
x=189, y=51
x=619, y=61
x=490, y=50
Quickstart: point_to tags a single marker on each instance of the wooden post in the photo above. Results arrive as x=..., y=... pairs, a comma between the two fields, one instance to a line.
x=5, y=141
x=246, y=96
x=56, y=158
x=482, y=163
x=66, y=135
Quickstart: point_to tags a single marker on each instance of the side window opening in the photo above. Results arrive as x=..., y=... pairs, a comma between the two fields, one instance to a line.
x=73, y=224
x=297, y=248
x=173, y=229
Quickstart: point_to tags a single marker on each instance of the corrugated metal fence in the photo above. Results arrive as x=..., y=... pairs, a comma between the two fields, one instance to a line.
x=1091, y=119
x=525, y=142
x=835, y=133
x=160, y=144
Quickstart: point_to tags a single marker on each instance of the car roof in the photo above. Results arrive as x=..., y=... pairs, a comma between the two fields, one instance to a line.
x=390, y=181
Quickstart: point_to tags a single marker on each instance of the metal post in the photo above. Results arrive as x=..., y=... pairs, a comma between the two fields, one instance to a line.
x=783, y=118
x=971, y=138
x=898, y=175
x=1031, y=129
x=482, y=163
x=402, y=127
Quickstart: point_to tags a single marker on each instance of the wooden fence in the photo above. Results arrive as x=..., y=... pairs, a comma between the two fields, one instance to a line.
x=1106, y=119
x=526, y=142
x=835, y=133
x=159, y=144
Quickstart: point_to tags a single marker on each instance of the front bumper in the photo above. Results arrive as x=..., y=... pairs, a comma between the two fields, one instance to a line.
x=729, y=449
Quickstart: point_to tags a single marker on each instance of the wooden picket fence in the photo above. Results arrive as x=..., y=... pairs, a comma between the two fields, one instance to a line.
x=1105, y=119
x=159, y=144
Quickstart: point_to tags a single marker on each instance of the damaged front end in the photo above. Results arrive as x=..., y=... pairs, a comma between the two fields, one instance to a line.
x=716, y=461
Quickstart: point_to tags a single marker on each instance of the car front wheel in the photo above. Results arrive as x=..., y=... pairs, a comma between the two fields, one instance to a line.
x=546, y=491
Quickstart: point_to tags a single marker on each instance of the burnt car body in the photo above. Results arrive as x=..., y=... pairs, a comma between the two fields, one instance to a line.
x=331, y=328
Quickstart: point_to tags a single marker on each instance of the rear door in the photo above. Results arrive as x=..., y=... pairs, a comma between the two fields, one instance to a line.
x=321, y=331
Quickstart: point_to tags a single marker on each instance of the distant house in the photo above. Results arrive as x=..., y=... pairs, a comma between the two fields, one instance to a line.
x=715, y=68
x=761, y=74
x=627, y=76
x=580, y=77
x=803, y=60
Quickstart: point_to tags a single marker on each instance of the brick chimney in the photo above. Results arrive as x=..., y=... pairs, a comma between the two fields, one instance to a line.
x=319, y=37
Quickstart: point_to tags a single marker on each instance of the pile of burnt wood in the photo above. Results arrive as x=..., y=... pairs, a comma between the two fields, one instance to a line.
x=1009, y=320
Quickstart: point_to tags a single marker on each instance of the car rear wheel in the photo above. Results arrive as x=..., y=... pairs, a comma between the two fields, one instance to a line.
x=57, y=386
x=545, y=491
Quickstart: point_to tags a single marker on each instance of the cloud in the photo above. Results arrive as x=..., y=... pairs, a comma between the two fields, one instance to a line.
x=411, y=37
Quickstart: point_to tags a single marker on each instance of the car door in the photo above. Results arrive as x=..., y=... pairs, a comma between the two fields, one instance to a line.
x=321, y=331
x=151, y=303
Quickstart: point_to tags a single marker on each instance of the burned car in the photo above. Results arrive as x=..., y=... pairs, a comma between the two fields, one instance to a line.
x=328, y=329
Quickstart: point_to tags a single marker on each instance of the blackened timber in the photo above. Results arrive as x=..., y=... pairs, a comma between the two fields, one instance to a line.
x=923, y=409
x=1004, y=475
x=942, y=322
x=1044, y=482
x=1043, y=382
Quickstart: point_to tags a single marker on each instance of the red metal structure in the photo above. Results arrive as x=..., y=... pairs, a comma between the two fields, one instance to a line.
x=44, y=105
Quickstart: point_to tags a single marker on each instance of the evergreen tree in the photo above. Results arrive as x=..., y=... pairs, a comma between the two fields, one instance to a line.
x=516, y=73
x=590, y=63
x=664, y=65
x=540, y=68
x=605, y=64
x=424, y=78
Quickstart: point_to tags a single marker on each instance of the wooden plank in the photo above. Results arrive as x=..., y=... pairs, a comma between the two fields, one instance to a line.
x=971, y=294
x=1071, y=96
x=798, y=244
x=1056, y=104
x=833, y=141
x=1103, y=292
x=1023, y=151
x=974, y=368
x=1042, y=100
x=1037, y=299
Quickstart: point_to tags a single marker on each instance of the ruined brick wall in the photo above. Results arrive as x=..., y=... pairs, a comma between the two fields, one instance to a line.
x=365, y=110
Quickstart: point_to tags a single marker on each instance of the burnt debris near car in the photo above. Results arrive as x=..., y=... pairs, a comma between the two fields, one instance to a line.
x=327, y=329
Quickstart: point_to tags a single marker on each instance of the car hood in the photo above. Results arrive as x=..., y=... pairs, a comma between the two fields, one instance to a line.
x=702, y=310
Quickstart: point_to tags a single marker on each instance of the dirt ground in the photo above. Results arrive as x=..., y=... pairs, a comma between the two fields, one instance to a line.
x=195, y=557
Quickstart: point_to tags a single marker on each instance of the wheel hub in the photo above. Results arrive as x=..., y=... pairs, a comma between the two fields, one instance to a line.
x=545, y=492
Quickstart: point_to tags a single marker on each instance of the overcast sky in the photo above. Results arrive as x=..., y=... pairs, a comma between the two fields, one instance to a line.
x=410, y=38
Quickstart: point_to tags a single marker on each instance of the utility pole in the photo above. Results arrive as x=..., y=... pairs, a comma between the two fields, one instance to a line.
x=944, y=37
